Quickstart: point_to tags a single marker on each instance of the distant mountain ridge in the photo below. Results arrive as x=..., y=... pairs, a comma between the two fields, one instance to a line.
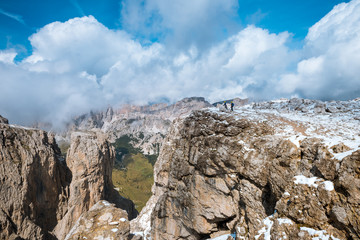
x=146, y=125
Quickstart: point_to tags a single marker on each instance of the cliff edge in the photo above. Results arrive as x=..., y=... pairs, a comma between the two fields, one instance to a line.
x=260, y=172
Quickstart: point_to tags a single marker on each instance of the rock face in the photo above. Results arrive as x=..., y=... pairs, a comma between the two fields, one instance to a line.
x=33, y=183
x=146, y=125
x=41, y=194
x=90, y=158
x=102, y=221
x=3, y=120
x=260, y=174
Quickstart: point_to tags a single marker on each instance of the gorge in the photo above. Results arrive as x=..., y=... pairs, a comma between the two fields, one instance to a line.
x=284, y=169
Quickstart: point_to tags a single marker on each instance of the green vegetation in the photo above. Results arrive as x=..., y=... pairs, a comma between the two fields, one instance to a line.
x=123, y=147
x=136, y=180
x=133, y=171
x=64, y=147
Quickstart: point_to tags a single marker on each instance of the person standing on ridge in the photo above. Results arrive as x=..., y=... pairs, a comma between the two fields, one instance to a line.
x=225, y=105
x=232, y=106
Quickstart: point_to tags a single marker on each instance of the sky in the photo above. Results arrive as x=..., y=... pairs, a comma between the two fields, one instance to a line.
x=63, y=58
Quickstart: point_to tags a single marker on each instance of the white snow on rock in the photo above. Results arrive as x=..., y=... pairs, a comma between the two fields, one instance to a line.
x=301, y=179
x=329, y=186
x=284, y=221
x=222, y=237
x=297, y=119
x=106, y=203
x=314, y=182
x=266, y=229
x=318, y=234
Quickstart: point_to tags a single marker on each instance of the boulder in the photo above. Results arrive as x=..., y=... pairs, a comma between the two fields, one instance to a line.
x=102, y=221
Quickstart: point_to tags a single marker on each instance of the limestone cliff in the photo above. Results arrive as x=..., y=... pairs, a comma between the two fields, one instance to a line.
x=42, y=195
x=33, y=183
x=263, y=171
x=90, y=158
x=146, y=125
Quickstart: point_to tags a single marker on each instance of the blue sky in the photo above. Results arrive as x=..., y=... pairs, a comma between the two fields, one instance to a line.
x=21, y=18
x=59, y=59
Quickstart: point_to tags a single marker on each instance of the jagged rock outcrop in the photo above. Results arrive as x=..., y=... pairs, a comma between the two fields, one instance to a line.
x=259, y=174
x=90, y=158
x=41, y=194
x=146, y=125
x=102, y=221
x=33, y=183
x=3, y=120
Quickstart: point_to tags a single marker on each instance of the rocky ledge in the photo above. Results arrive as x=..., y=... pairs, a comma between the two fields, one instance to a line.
x=259, y=174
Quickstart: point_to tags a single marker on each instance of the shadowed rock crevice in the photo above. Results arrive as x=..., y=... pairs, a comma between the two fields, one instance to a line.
x=268, y=200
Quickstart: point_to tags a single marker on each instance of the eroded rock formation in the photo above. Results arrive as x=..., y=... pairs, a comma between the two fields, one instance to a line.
x=33, y=184
x=3, y=120
x=102, y=221
x=90, y=158
x=146, y=125
x=258, y=174
x=41, y=194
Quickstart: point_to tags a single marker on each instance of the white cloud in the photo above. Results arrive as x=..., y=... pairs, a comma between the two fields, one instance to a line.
x=8, y=56
x=181, y=23
x=80, y=44
x=331, y=67
x=80, y=65
x=13, y=16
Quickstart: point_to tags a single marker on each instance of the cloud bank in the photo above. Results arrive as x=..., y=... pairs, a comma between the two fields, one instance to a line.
x=80, y=64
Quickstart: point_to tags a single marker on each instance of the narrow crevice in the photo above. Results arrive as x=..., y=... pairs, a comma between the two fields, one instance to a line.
x=268, y=199
x=315, y=171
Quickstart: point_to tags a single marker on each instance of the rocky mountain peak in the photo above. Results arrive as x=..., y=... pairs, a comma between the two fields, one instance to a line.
x=3, y=120
x=280, y=169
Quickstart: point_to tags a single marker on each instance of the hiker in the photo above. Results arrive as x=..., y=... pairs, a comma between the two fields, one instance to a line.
x=232, y=106
x=225, y=105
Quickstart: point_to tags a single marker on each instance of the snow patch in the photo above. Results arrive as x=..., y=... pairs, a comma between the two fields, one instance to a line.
x=301, y=179
x=284, y=221
x=222, y=237
x=123, y=219
x=319, y=234
x=106, y=203
x=114, y=230
x=266, y=229
x=329, y=186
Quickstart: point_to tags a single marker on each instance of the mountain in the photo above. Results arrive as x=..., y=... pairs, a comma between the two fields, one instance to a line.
x=43, y=194
x=146, y=126
x=285, y=169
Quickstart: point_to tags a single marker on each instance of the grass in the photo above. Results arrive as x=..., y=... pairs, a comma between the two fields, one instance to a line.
x=135, y=181
x=133, y=171
x=64, y=146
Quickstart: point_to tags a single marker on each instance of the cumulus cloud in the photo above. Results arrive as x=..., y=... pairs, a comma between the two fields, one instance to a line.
x=181, y=23
x=81, y=65
x=8, y=56
x=330, y=68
